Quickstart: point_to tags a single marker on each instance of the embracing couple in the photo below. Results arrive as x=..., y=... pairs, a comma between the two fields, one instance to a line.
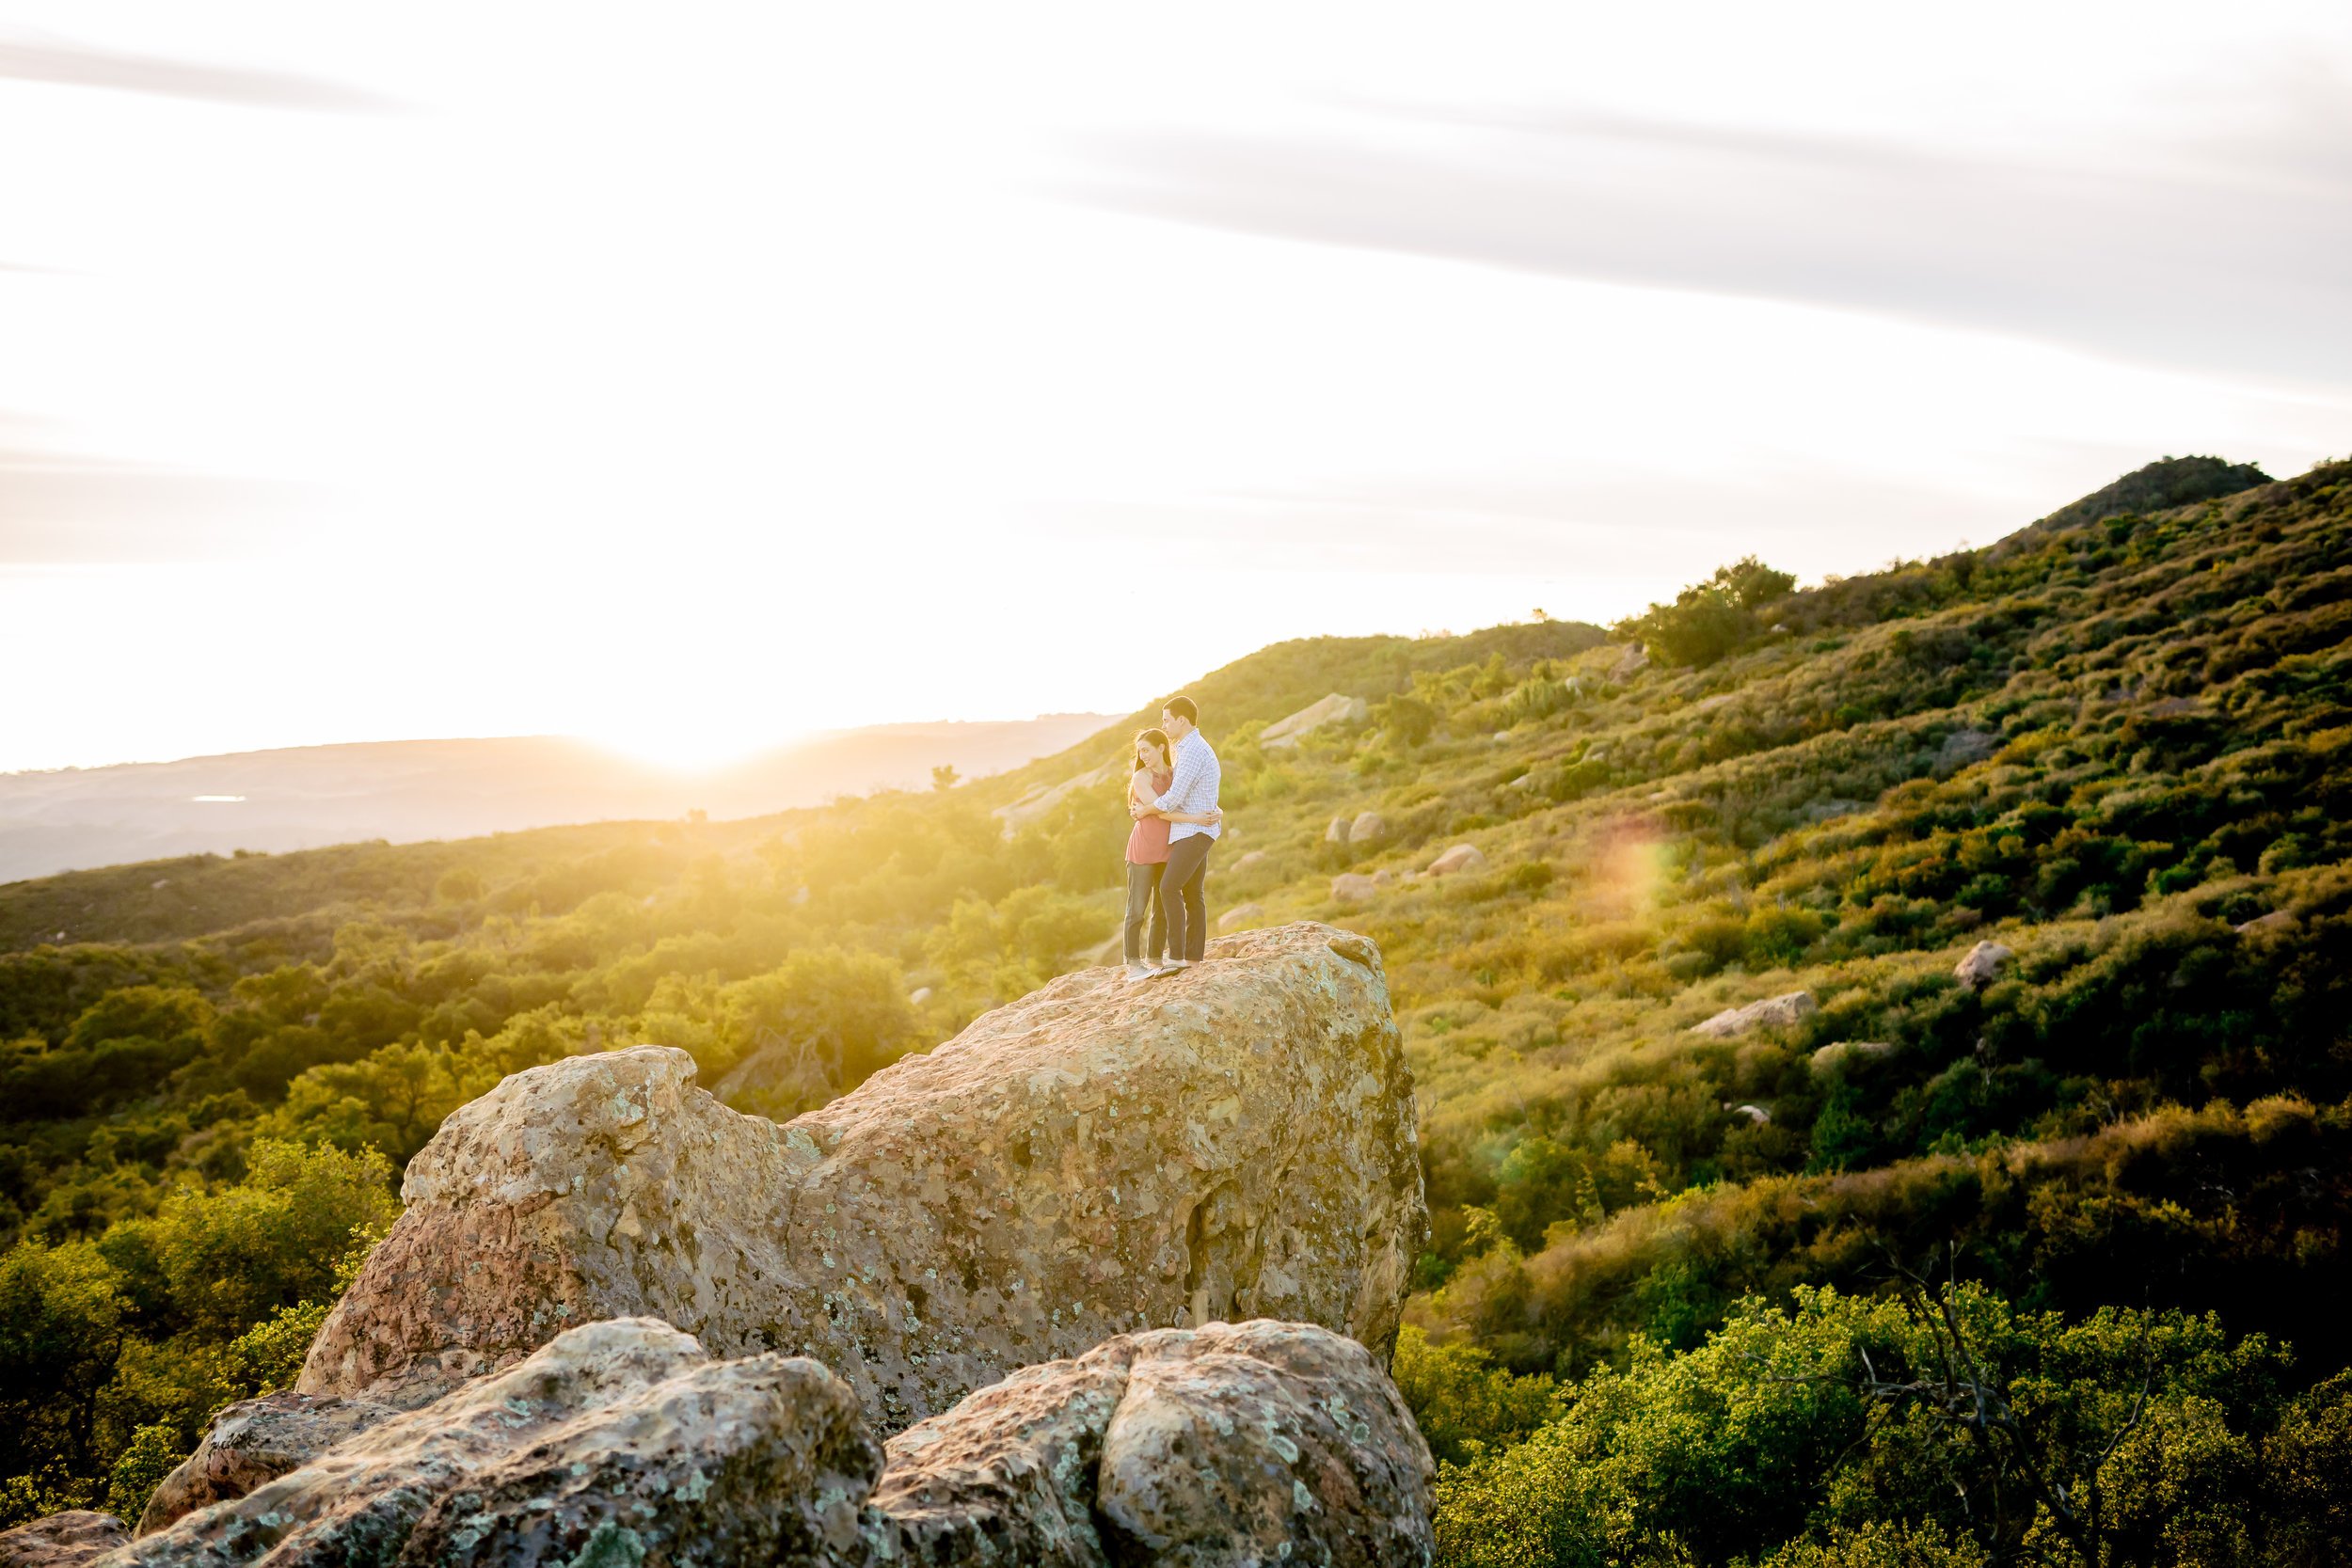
x=1171, y=794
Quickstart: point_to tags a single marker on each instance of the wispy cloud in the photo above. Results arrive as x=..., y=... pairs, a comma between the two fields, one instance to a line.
x=77, y=64
x=58, y=506
x=2226, y=255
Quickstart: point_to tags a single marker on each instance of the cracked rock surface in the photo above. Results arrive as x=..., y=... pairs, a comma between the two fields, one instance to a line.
x=1098, y=1158
x=1231, y=1444
x=620, y=1445
x=253, y=1442
x=65, y=1540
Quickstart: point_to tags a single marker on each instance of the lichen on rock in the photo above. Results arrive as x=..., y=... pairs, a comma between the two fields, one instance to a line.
x=617, y=1442
x=620, y=1445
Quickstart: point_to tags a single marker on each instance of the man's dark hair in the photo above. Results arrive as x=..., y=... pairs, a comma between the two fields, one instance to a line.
x=1182, y=707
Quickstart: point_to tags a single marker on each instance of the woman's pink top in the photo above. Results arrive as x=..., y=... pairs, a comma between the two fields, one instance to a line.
x=1148, y=844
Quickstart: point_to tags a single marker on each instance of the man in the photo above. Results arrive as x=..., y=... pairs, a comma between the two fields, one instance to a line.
x=1193, y=790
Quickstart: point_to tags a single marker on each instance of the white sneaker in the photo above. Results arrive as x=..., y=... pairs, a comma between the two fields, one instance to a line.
x=1137, y=971
x=1174, y=966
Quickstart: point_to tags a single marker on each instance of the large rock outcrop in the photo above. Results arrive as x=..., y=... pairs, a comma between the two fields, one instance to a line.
x=1338, y=709
x=1234, y=1142
x=621, y=1442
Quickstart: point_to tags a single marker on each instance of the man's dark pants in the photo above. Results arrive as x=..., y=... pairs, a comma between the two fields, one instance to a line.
x=1181, y=890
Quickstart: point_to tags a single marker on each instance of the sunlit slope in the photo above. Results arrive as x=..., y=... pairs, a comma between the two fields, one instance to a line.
x=2111, y=743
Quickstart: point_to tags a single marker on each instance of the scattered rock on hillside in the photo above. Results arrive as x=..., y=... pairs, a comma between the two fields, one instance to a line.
x=1982, y=965
x=1337, y=831
x=919, y=995
x=1846, y=1052
x=1757, y=1116
x=1334, y=709
x=617, y=1443
x=2277, y=920
x=1368, y=826
x=1039, y=799
x=1630, y=663
x=1236, y=1141
x=1773, y=1012
x=1240, y=915
x=1964, y=747
x=1462, y=857
x=1255, y=857
x=1353, y=887
x=256, y=1442
x=61, y=1540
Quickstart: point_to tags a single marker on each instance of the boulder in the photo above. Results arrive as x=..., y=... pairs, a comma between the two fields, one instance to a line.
x=1334, y=709
x=1328, y=1462
x=1462, y=857
x=1235, y=1141
x=1964, y=747
x=1757, y=1114
x=1353, y=887
x=1384, y=878
x=1235, y=1443
x=1337, y=831
x=1982, y=965
x=1240, y=915
x=2262, y=925
x=256, y=1442
x=919, y=995
x=61, y=1540
x=617, y=1443
x=1038, y=799
x=622, y=1443
x=1368, y=826
x=1630, y=663
x=1255, y=857
x=1774, y=1012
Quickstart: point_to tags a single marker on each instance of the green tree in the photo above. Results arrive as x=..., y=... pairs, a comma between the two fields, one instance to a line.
x=853, y=1006
x=153, y=1453
x=61, y=1320
x=230, y=1258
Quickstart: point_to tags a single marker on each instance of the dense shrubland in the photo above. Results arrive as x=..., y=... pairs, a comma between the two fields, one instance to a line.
x=2111, y=743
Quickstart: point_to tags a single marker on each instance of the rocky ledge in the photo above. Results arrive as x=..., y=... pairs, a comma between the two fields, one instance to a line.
x=1098, y=1158
x=620, y=1445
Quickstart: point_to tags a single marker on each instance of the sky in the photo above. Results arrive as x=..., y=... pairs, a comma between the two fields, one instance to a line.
x=694, y=377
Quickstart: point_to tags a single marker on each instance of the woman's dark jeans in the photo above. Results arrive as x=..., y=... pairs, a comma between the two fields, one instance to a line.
x=1143, y=903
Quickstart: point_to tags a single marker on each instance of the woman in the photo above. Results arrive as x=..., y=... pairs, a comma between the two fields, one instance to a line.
x=1147, y=851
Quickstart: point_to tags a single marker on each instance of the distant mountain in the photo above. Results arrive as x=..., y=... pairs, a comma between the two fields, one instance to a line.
x=406, y=790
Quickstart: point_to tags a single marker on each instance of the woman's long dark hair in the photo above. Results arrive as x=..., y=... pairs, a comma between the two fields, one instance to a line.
x=1159, y=743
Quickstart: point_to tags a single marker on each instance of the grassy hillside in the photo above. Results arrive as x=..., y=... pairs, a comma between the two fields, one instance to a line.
x=2113, y=744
